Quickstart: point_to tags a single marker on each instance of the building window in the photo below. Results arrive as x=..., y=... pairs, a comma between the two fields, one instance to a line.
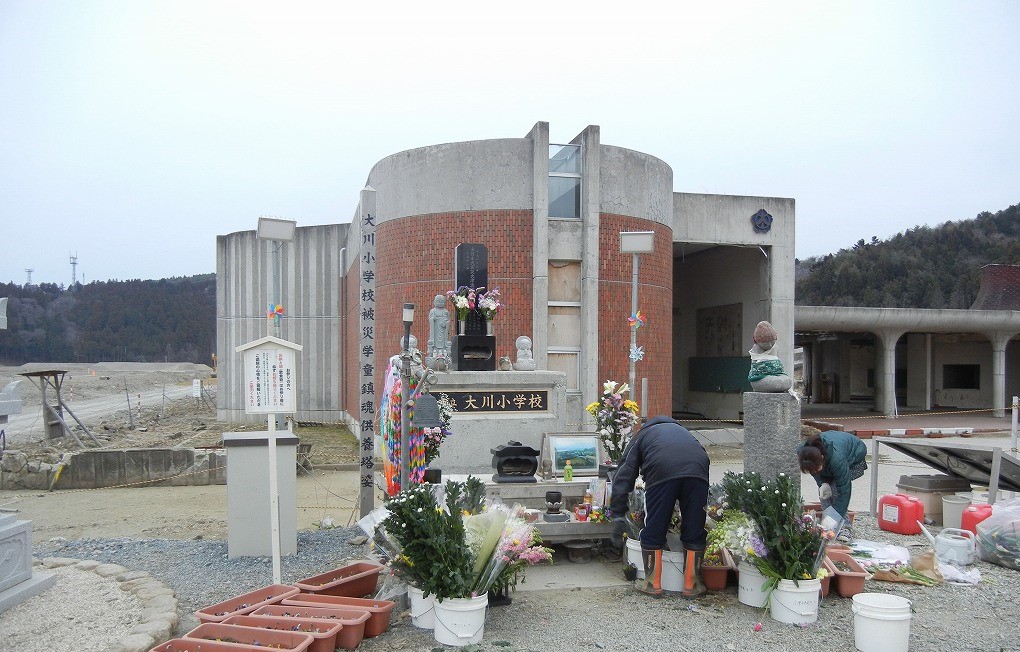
x=565, y=181
x=961, y=376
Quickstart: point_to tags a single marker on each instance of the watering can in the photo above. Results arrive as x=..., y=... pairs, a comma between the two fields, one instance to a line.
x=953, y=545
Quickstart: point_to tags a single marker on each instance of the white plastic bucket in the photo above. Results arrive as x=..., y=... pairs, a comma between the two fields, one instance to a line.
x=881, y=622
x=460, y=621
x=422, y=608
x=952, y=510
x=634, y=557
x=672, y=570
x=749, y=588
x=795, y=604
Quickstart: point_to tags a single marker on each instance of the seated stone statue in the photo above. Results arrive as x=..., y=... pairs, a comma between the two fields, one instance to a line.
x=767, y=373
x=525, y=360
x=437, y=353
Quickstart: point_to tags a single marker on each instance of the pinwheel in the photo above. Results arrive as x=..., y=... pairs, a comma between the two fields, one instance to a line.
x=275, y=311
x=636, y=320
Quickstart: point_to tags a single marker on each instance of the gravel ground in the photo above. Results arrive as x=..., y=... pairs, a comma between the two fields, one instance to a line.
x=981, y=617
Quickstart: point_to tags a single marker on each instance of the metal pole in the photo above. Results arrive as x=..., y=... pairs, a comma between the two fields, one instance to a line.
x=274, y=500
x=276, y=285
x=1014, y=433
x=633, y=328
x=405, y=398
x=644, y=400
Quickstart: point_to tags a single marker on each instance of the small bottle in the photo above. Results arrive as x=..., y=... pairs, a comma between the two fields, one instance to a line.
x=568, y=472
x=587, y=497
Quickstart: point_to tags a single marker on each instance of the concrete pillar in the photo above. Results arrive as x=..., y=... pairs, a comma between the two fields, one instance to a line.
x=816, y=368
x=540, y=245
x=885, y=377
x=591, y=163
x=999, y=343
x=771, y=433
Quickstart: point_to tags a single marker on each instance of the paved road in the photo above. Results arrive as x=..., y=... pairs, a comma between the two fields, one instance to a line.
x=29, y=427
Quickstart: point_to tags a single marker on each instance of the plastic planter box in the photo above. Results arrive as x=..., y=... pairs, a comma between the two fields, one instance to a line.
x=848, y=583
x=378, y=623
x=254, y=637
x=199, y=645
x=354, y=580
x=323, y=632
x=352, y=619
x=828, y=579
x=245, y=603
x=715, y=577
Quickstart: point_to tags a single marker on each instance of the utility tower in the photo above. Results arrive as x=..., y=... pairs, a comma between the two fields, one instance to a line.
x=28, y=272
x=74, y=268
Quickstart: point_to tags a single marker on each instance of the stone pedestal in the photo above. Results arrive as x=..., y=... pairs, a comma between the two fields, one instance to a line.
x=494, y=408
x=771, y=433
x=17, y=582
x=249, y=525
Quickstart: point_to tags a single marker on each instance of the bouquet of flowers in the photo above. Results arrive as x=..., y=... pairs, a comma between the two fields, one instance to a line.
x=432, y=438
x=464, y=300
x=789, y=545
x=489, y=304
x=615, y=418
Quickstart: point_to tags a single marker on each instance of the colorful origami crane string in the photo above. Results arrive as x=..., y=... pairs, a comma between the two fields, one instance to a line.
x=636, y=320
x=275, y=311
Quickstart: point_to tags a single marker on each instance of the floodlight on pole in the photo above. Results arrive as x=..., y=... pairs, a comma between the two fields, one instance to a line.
x=635, y=243
x=279, y=232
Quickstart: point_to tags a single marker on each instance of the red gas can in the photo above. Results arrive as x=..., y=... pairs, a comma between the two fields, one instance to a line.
x=973, y=515
x=900, y=513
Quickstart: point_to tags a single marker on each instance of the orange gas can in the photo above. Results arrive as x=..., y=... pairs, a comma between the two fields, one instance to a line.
x=973, y=515
x=900, y=513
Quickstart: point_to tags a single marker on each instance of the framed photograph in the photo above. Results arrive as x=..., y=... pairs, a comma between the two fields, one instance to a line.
x=583, y=449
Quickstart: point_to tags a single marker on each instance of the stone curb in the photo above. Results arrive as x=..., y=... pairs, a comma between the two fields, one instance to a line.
x=158, y=603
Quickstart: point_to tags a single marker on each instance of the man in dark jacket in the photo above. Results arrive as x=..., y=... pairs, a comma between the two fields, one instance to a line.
x=674, y=466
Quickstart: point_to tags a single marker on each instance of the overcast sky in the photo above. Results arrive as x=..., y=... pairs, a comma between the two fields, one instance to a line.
x=133, y=133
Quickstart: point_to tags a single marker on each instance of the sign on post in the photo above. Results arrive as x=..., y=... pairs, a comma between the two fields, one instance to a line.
x=269, y=376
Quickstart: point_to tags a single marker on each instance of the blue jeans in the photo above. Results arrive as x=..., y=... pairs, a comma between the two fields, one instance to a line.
x=659, y=500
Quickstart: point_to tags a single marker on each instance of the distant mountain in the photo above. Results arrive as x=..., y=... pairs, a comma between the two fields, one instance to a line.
x=170, y=320
x=923, y=267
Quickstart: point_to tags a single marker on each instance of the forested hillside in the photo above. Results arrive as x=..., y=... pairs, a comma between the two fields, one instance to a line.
x=923, y=267
x=170, y=320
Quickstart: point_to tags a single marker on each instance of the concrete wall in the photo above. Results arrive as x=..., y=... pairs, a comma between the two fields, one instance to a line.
x=962, y=350
x=93, y=469
x=310, y=287
x=474, y=175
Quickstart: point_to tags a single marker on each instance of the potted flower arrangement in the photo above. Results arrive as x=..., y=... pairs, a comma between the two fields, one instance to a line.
x=520, y=552
x=455, y=550
x=615, y=418
x=787, y=548
x=490, y=305
x=432, y=439
x=464, y=300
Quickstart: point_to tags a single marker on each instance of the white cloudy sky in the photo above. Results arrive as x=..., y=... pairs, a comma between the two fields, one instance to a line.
x=132, y=133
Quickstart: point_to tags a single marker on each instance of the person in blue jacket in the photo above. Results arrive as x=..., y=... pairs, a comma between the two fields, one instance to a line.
x=834, y=459
x=674, y=466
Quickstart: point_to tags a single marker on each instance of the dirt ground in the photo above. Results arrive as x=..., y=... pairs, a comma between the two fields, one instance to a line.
x=163, y=414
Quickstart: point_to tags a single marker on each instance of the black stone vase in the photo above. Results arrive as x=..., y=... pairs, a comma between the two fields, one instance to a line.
x=500, y=597
x=433, y=476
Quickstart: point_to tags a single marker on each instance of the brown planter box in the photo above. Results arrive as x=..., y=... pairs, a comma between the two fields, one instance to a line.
x=352, y=619
x=848, y=583
x=828, y=579
x=354, y=580
x=378, y=623
x=245, y=603
x=715, y=577
x=252, y=637
x=322, y=631
x=199, y=645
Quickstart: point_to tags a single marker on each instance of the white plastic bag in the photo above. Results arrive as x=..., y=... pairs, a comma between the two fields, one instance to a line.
x=998, y=536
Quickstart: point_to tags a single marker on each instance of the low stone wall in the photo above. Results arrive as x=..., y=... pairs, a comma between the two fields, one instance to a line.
x=93, y=469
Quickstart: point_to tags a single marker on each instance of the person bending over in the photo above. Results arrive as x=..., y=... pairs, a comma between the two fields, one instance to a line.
x=674, y=466
x=834, y=459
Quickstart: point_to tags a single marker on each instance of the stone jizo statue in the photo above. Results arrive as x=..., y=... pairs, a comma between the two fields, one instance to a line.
x=439, y=335
x=767, y=373
x=525, y=359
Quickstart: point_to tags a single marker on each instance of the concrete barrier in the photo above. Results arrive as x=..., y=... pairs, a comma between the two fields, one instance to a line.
x=93, y=469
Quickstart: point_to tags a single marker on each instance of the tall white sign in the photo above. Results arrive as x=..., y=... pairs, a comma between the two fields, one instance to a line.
x=269, y=380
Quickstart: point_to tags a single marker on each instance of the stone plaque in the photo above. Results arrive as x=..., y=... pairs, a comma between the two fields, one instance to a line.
x=500, y=401
x=471, y=266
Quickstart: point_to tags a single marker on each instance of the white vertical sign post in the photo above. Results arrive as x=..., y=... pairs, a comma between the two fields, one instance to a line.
x=269, y=381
